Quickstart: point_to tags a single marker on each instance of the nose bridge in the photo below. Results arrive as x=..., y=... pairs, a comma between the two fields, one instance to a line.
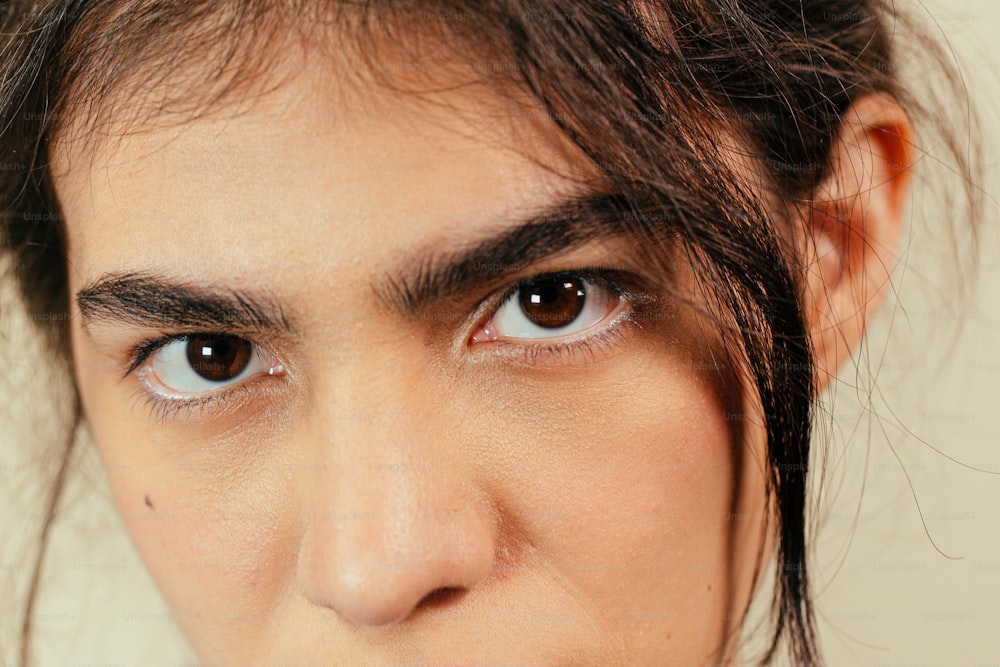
x=394, y=515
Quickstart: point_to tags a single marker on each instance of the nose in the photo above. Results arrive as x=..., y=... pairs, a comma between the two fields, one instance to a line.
x=394, y=526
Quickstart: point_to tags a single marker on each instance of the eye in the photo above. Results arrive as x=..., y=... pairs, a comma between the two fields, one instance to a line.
x=551, y=306
x=203, y=362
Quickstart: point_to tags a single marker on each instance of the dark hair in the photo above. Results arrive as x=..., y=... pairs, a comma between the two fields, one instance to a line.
x=644, y=88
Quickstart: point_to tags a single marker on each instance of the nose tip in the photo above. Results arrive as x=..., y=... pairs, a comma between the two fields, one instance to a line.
x=361, y=602
x=382, y=570
x=384, y=594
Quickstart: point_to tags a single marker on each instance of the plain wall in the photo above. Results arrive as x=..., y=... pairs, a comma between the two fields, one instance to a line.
x=909, y=553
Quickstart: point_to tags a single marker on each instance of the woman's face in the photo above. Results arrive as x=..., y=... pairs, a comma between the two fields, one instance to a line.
x=347, y=423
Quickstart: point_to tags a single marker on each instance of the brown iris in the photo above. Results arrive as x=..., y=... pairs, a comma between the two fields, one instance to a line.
x=553, y=302
x=218, y=358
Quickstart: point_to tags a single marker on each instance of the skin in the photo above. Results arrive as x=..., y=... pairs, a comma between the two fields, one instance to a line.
x=398, y=493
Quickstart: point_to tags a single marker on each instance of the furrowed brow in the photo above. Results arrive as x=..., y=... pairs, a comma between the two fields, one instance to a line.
x=434, y=277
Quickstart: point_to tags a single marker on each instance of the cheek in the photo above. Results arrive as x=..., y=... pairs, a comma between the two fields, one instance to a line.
x=625, y=485
x=215, y=536
x=222, y=555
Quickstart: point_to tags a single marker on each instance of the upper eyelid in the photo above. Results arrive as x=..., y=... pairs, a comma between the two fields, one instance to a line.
x=196, y=398
x=140, y=354
x=621, y=281
x=615, y=279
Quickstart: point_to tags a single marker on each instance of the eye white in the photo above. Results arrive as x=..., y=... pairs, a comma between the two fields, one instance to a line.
x=510, y=321
x=173, y=374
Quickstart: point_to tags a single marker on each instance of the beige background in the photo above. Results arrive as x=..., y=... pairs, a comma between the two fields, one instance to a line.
x=908, y=553
x=909, y=569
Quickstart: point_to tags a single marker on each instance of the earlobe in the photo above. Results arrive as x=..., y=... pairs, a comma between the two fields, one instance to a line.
x=853, y=226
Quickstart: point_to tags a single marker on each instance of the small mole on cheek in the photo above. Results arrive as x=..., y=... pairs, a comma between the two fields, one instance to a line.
x=149, y=501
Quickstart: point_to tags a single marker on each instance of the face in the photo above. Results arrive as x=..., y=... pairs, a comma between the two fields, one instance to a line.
x=375, y=381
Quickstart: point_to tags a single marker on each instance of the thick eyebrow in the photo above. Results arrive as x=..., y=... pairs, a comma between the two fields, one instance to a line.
x=149, y=300
x=154, y=301
x=432, y=277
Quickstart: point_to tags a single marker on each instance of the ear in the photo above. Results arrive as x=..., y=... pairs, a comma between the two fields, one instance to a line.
x=853, y=228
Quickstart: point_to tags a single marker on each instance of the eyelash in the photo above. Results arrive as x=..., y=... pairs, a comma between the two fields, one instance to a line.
x=623, y=284
x=586, y=347
x=164, y=408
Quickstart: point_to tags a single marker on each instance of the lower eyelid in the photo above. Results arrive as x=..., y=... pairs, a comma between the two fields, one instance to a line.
x=170, y=408
x=165, y=404
x=585, y=350
x=604, y=337
x=215, y=403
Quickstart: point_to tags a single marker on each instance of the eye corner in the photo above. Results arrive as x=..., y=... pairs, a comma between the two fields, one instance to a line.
x=485, y=333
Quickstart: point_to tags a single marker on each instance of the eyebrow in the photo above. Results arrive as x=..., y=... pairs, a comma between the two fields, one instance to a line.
x=432, y=277
x=150, y=300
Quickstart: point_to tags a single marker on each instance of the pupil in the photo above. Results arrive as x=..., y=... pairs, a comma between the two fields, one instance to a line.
x=218, y=358
x=553, y=303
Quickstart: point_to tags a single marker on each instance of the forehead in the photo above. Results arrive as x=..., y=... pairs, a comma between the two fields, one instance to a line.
x=314, y=171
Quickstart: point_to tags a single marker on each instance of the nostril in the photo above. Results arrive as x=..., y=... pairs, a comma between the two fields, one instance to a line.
x=441, y=596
